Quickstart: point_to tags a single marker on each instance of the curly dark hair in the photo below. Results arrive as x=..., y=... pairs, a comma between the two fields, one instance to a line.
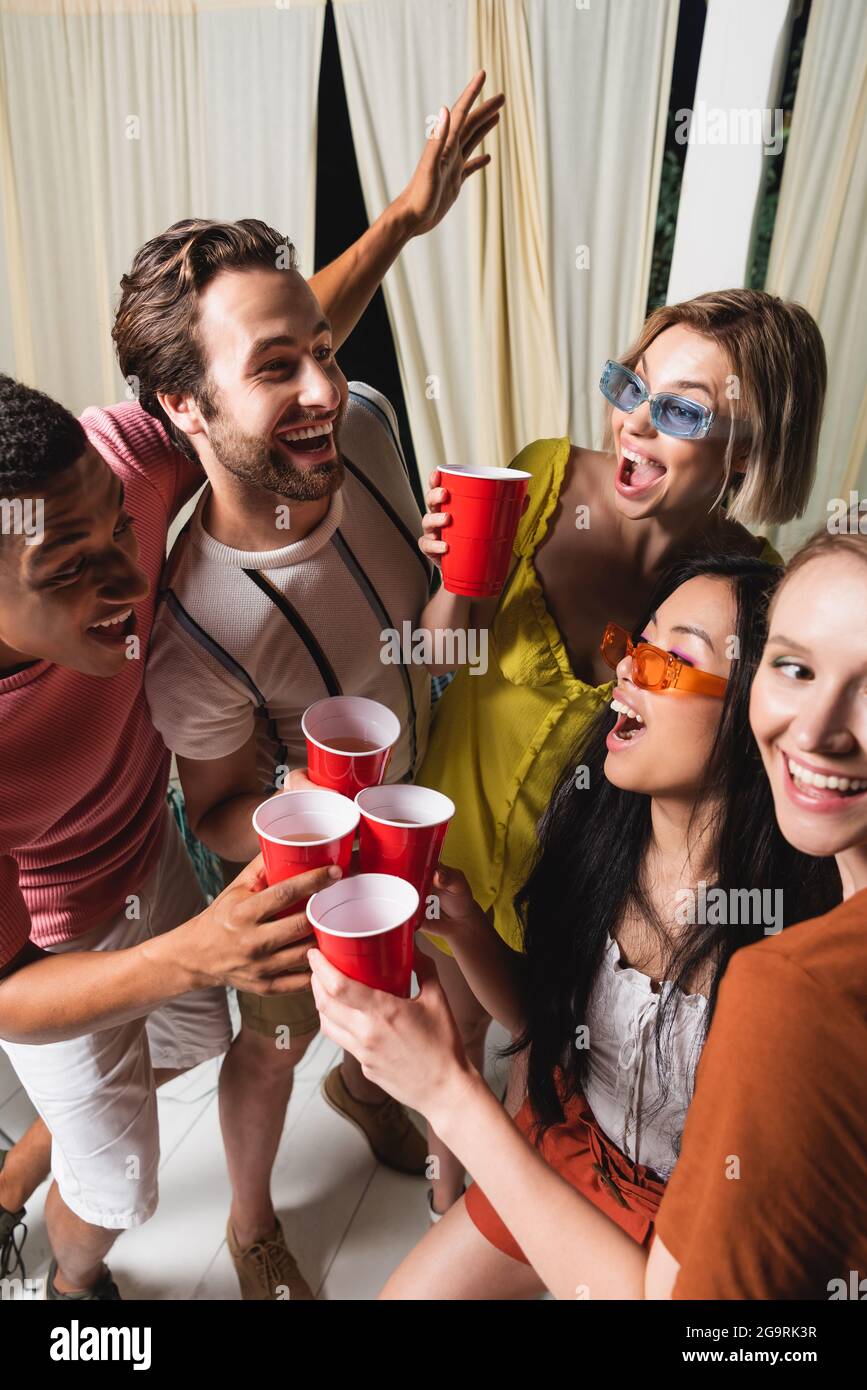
x=39, y=437
x=155, y=327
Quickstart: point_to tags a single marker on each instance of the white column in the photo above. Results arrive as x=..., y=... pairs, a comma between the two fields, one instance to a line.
x=733, y=129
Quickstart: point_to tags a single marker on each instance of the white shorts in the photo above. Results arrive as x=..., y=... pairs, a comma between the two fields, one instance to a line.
x=96, y=1094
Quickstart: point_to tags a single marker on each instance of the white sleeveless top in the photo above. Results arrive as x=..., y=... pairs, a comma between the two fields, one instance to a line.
x=622, y=1080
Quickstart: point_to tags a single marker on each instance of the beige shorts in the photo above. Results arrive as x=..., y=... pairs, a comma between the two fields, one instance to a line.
x=268, y=1014
x=96, y=1094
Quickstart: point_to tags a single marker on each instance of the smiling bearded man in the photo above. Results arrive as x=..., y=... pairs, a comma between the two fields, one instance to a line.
x=267, y=609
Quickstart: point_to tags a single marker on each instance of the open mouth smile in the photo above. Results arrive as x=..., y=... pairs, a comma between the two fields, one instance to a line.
x=637, y=473
x=628, y=729
x=310, y=443
x=820, y=791
x=112, y=632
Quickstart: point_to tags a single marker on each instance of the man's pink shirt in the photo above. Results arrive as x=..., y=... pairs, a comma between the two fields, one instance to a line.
x=83, y=772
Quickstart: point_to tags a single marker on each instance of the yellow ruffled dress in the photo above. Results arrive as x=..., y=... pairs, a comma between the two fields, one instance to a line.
x=501, y=740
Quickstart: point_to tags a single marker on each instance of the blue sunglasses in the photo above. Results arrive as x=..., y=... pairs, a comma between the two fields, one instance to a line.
x=671, y=414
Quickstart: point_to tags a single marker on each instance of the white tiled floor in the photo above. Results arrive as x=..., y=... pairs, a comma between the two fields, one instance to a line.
x=348, y=1220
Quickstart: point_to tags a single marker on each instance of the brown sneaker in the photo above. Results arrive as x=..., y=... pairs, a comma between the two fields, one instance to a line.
x=268, y=1269
x=386, y=1126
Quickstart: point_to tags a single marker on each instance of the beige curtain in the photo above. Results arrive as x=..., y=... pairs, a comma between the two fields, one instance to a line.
x=500, y=335
x=118, y=118
x=819, y=250
x=401, y=60
x=601, y=78
x=519, y=388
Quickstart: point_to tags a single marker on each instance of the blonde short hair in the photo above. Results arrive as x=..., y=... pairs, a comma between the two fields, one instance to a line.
x=825, y=542
x=775, y=352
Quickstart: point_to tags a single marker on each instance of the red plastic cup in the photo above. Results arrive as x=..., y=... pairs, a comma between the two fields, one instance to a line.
x=349, y=742
x=485, y=505
x=299, y=831
x=402, y=831
x=363, y=926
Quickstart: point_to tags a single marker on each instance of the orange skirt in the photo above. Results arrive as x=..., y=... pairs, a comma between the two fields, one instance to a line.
x=580, y=1152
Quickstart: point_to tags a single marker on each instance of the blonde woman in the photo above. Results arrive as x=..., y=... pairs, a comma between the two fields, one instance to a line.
x=714, y=421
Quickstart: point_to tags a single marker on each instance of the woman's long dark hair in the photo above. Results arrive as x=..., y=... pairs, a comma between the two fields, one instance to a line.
x=590, y=870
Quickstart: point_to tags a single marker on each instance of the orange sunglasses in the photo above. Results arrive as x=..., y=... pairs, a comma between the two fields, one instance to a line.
x=655, y=669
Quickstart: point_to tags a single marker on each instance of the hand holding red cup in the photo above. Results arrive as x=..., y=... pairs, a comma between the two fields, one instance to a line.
x=304, y=830
x=402, y=832
x=485, y=506
x=364, y=927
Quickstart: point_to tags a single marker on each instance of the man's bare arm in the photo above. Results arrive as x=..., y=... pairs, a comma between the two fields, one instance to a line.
x=47, y=998
x=221, y=795
x=346, y=286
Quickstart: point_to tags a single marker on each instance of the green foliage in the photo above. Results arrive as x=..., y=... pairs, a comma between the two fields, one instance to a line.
x=774, y=175
x=666, y=219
